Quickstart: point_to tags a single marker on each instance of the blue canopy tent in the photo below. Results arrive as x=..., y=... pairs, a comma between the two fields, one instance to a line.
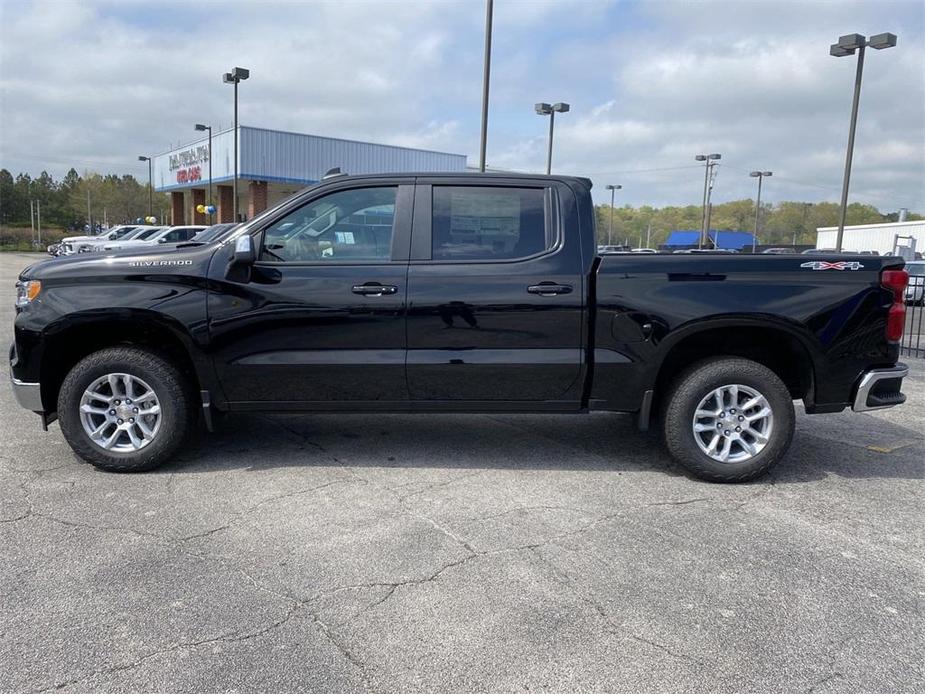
x=718, y=239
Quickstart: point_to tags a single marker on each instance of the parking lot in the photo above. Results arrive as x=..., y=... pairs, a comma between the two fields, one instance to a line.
x=463, y=553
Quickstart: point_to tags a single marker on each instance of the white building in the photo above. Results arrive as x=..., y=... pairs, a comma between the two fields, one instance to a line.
x=875, y=237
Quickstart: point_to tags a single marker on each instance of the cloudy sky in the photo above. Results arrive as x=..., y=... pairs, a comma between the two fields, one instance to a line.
x=651, y=83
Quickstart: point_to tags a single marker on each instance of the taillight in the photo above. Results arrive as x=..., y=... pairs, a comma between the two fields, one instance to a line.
x=895, y=281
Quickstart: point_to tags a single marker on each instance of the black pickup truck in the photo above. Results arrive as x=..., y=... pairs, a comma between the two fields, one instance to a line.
x=452, y=293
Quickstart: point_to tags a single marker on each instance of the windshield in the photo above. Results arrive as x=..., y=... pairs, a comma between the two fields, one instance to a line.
x=214, y=232
x=135, y=233
x=124, y=232
x=147, y=234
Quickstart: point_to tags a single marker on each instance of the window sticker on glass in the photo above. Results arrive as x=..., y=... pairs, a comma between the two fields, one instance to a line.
x=474, y=223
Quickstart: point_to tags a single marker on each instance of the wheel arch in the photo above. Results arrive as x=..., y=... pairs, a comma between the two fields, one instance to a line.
x=774, y=344
x=81, y=334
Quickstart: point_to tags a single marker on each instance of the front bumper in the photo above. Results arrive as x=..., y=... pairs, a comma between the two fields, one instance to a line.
x=28, y=395
x=880, y=388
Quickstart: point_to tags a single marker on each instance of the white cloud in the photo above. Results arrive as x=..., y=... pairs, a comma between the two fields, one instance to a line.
x=650, y=84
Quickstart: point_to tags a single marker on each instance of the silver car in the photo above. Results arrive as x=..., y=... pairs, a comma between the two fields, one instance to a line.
x=915, y=292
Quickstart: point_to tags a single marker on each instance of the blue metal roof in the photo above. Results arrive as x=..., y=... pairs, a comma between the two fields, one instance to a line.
x=721, y=239
x=286, y=157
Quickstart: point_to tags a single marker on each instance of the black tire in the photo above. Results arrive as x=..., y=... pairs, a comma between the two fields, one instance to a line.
x=693, y=385
x=177, y=407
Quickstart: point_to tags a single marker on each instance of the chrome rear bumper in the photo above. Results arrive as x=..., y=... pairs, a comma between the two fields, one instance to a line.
x=879, y=389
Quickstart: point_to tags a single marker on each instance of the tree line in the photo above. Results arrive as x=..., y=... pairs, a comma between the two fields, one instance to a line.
x=70, y=202
x=782, y=223
x=116, y=199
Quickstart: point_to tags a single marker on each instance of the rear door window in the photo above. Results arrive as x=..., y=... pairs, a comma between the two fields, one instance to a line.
x=480, y=223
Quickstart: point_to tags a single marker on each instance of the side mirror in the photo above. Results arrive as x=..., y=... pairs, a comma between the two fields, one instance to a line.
x=162, y=240
x=244, y=252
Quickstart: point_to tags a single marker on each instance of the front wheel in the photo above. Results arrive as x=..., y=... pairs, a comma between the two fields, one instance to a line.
x=125, y=409
x=728, y=419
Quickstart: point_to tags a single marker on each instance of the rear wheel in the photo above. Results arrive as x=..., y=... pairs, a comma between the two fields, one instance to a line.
x=728, y=419
x=125, y=409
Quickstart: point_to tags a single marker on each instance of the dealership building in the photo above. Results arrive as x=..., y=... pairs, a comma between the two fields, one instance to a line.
x=272, y=164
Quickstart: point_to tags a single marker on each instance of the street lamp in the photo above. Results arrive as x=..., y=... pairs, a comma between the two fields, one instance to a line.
x=200, y=127
x=150, y=185
x=612, y=190
x=848, y=45
x=486, y=74
x=710, y=160
x=239, y=74
x=544, y=109
x=759, y=175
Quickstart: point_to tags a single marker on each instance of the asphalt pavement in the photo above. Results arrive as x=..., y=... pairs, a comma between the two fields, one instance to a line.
x=462, y=553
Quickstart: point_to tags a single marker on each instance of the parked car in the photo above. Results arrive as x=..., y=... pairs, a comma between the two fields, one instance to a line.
x=713, y=251
x=778, y=251
x=915, y=292
x=175, y=234
x=139, y=232
x=72, y=244
x=452, y=293
x=644, y=250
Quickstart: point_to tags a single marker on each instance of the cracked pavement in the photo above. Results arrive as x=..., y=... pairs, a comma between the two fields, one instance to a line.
x=465, y=553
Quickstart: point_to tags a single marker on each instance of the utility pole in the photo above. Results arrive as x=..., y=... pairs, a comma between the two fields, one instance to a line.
x=709, y=161
x=649, y=235
x=38, y=204
x=759, y=175
x=32, y=216
x=486, y=74
x=710, y=204
x=612, y=189
x=89, y=216
x=709, y=214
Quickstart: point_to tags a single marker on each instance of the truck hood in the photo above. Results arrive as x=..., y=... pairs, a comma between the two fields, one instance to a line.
x=159, y=258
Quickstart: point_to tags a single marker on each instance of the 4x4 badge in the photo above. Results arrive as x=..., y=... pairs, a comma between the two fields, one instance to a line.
x=840, y=265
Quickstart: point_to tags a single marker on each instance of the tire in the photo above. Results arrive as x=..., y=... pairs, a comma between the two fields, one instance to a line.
x=734, y=379
x=138, y=371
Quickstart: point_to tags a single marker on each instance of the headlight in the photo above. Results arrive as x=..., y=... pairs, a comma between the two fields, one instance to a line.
x=27, y=291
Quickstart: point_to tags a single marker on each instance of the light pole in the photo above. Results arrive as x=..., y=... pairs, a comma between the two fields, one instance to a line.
x=150, y=185
x=200, y=127
x=847, y=45
x=544, y=109
x=710, y=160
x=238, y=74
x=759, y=175
x=486, y=73
x=612, y=190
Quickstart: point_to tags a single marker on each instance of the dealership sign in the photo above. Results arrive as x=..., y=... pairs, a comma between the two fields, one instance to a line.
x=187, y=163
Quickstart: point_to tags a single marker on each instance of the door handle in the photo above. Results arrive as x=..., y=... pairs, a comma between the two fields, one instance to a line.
x=549, y=289
x=374, y=289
